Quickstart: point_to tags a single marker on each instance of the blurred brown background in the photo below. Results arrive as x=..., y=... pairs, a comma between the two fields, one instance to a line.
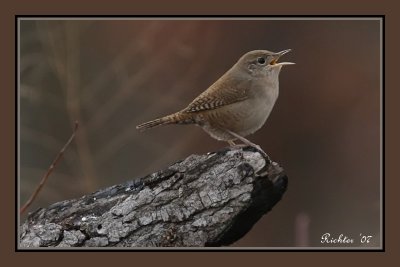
x=113, y=75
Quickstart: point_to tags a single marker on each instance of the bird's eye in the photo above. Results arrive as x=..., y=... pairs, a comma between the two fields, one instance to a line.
x=261, y=60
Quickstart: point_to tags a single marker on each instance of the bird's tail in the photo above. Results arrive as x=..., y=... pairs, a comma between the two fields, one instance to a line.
x=176, y=118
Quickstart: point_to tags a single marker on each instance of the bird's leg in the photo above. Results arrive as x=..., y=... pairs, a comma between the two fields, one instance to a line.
x=249, y=143
x=244, y=140
x=234, y=145
x=231, y=143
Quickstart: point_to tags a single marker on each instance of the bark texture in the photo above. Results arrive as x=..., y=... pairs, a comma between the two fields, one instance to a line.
x=203, y=200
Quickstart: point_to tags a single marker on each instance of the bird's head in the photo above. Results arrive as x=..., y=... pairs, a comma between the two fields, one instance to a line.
x=262, y=63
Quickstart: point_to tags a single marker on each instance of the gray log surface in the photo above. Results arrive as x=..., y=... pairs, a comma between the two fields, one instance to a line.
x=203, y=200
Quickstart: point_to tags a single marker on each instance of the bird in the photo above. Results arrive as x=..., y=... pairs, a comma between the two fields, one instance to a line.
x=238, y=103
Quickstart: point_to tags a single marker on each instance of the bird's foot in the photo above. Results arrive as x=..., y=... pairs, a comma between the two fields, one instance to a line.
x=247, y=143
x=232, y=144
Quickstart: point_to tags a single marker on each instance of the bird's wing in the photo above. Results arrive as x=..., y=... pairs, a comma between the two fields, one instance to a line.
x=215, y=97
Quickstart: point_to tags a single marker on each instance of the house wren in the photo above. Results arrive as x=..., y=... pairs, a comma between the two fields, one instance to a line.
x=238, y=103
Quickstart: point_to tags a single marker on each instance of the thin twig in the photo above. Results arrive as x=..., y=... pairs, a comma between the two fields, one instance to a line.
x=49, y=171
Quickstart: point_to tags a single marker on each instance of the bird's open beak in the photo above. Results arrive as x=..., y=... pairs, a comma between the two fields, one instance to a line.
x=274, y=62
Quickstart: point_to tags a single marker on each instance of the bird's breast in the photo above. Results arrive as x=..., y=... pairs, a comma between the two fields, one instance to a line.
x=243, y=117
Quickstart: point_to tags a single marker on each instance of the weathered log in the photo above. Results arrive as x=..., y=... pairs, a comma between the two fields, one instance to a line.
x=203, y=200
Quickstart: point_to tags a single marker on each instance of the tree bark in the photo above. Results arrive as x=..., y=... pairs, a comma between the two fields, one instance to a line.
x=203, y=200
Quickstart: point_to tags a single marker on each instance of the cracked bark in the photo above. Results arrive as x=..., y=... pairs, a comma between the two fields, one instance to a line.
x=203, y=200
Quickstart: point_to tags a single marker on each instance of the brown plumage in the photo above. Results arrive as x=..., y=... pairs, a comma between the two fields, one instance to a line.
x=238, y=103
x=177, y=117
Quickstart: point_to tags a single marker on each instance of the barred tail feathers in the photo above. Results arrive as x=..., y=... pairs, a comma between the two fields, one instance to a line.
x=176, y=118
